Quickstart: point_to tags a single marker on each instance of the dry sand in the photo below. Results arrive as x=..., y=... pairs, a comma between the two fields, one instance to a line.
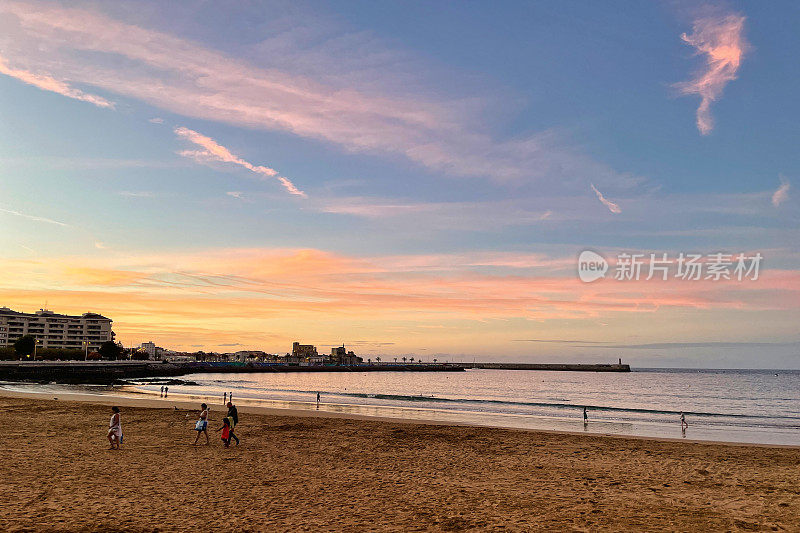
x=295, y=473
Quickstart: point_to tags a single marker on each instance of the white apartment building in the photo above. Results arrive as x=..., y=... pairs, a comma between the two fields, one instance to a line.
x=52, y=330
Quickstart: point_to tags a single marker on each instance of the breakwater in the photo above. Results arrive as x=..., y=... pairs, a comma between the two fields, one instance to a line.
x=565, y=367
x=107, y=372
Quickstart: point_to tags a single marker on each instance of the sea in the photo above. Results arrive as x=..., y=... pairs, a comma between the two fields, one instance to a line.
x=744, y=406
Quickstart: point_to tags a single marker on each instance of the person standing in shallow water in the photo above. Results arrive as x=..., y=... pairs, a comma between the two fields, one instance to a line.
x=585, y=417
x=115, y=429
x=201, y=426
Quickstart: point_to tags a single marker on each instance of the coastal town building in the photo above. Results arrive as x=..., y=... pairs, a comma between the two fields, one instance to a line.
x=150, y=348
x=52, y=330
x=303, y=351
x=340, y=356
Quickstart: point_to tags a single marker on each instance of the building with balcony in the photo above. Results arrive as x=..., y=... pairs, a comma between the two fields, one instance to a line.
x=52, y=330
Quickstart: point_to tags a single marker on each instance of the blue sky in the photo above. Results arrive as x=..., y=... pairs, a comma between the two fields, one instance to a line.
x=441, y=143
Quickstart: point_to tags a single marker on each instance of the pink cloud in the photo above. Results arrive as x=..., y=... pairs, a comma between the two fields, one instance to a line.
x=48, y=83
x=212, y=151
x=721, y=40
x=781, y=194
x=183, y=77
x=614, y=208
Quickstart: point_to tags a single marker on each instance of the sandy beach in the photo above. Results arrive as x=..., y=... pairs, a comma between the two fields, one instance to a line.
x=319, y=473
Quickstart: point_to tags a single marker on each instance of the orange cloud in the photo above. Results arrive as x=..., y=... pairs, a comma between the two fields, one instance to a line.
x=257, y=296
x=721, y=40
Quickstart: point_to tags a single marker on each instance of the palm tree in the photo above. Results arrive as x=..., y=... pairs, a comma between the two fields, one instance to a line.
x=395, y=359
x=369, y=361
x=434, y=360
x=412, y=359
x=378, y=359
x=404, y=359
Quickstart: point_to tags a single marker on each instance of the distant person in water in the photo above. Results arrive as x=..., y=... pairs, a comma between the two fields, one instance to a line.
x=224, y=397
x=233, y=416
x=201, y=426
x=317, y=398
x=226, y=432
x=684, y=425
x=162, y=391
x=230, y=396
x=585, y=416
x=115, y=429
x=166, y=391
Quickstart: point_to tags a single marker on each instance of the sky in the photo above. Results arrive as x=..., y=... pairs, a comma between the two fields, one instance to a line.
x=407, y=178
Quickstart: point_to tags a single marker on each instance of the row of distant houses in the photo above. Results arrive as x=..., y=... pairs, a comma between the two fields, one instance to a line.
x=302, y=354
x=89, y=330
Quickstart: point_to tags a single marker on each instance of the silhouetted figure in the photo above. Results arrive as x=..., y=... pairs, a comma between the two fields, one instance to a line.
x=224, y=398
x=166, y=391
x=585, y=416
x=233, y=417
x=684, y=425
x=162, y=391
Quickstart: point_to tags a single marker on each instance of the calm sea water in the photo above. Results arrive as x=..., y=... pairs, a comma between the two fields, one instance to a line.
x=724, y=405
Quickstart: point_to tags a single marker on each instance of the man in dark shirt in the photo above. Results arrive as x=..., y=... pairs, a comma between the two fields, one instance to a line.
x=233, y=414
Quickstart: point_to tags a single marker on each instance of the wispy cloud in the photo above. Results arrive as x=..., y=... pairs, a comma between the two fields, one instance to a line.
x=720, y=39
x=236, y=194
x=213, y=151
x=781, y=194
x=137, y=194
x=34, y=217
x=614, y=208
x=156, y=120
x=100, y=245
x=48, y=83
x=409, y=119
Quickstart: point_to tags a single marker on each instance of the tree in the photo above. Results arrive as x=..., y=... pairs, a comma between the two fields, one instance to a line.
x=110, y=350
x=378, y=359
x=93, y=356
x=404, y=359
x=24, y=345
x=140, y=355
x=434, y=361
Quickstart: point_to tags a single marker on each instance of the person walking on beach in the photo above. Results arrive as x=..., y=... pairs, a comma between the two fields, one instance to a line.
x=585, y=416
x=226, y=432
x=166, y=391
x=317, y=399
x=684, y=425
x=230, y=396
x=233, y=416
x=224, y=398
x=201, y=426
x=115, y=429
x=162, y=391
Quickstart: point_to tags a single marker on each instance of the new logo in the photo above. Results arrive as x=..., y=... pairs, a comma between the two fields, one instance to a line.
x=591, y=266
